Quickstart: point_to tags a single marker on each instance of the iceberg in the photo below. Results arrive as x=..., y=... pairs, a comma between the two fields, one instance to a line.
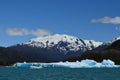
x=78, y=64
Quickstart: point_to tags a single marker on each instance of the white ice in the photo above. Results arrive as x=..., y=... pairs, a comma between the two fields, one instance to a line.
x=83, y=64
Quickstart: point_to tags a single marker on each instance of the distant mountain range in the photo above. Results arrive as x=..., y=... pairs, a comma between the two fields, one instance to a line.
x=57, y=48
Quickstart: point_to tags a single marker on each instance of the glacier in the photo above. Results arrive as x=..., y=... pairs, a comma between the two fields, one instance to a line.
x=78, y=64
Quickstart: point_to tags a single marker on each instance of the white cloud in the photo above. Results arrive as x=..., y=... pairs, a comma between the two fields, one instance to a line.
x=40, y=32
x=17, y=31
x=115, y=20
x=23, y=32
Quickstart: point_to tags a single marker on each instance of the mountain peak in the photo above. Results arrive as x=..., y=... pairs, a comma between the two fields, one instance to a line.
x=51, y=40
x=59, y=45
x=54, y=38
x=73, y=43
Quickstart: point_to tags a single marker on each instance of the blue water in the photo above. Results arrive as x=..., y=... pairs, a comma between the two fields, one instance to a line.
x=12, y=73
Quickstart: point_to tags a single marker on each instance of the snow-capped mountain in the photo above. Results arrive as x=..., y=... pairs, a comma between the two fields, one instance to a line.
x=104, y=45
x=71, y=42
x=115, y=39
x=55, y=47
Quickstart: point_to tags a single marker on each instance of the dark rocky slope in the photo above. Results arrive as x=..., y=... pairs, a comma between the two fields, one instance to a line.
x=8, y=56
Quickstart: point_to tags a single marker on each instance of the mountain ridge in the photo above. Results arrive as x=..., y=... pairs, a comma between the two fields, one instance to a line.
x=74, y=42
x=55, y=48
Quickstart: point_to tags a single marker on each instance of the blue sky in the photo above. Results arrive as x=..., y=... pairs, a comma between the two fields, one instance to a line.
x=21, y=20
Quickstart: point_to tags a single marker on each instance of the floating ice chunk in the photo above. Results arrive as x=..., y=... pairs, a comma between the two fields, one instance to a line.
x=84, y=63
x=88, y=63
x=108, y=63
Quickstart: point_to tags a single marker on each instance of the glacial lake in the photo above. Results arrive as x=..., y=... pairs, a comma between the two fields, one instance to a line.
x=13, y=73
